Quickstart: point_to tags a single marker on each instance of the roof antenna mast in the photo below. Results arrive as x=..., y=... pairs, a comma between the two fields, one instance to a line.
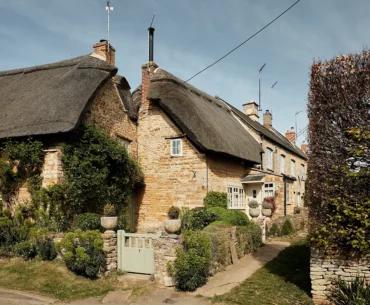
x=151, y=40
x=259, y=86
x=109, y=8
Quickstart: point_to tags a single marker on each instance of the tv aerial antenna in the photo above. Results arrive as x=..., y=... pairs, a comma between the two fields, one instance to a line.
x=109, y=8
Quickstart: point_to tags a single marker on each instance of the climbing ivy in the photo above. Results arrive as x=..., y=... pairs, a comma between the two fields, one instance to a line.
x=20, y=162
x=97, y=170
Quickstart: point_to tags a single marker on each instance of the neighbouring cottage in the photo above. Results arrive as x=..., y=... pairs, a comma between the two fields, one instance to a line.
x=49, y=102
x=190, y=143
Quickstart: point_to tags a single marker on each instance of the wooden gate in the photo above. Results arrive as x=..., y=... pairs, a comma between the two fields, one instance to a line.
x=135, y=252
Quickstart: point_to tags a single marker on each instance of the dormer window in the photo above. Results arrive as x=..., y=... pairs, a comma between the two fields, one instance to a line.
x=176, y=147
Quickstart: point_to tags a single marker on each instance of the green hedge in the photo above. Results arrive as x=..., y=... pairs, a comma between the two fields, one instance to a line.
x=249, y=238
x=83, y=253
x=191, y=266
x=339, y=163
x=231, y=217
x=87, y=221
x=215, y=199
x=196, y=219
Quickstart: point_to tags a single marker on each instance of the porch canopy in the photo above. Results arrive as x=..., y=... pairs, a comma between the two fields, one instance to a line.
x=256, y=178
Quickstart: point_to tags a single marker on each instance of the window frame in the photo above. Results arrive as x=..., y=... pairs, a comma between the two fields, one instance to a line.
x=269, y=160
x=293, y=168
x=179, y=147
x=270, y=188
x=282, y=163
x=236, y=197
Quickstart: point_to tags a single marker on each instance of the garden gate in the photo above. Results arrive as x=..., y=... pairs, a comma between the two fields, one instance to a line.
x=135, y=252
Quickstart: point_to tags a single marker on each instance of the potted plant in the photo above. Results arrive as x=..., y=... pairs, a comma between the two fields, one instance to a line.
x=109, y=220
x=297, y=210
x=173, y=224
x=266, y=209
x=254, y=210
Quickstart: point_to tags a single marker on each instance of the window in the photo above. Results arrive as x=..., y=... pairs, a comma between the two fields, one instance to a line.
x=176, y=147
x=269, y=161
x=303, y=172
x=292, y=168
x=269, y=190
x=254, y=194
x=124, y=142
x=282, y=164
x=235, y=197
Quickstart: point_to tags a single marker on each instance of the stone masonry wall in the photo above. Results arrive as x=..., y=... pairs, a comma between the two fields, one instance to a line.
x=324, y=269
x=107, y=111
x=164, y=253
x=52, y=171
x=110, y=250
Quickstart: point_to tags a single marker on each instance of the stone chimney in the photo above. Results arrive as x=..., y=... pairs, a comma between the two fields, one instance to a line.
x=251, y=110
x=291, y=135
x=104, y=52
x=267, y=119
x=304, y=148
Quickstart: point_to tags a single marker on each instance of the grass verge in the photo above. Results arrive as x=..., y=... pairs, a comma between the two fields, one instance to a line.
x=52, y=279
x=283, y=281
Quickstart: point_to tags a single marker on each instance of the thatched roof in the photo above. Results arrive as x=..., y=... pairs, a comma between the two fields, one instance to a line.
x=206, y=121
x=49, y=99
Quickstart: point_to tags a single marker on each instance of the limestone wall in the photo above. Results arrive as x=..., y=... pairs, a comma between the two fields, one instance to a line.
x=164, y=253
x=52, y=170
x=324, y=269
x=107, y=111
x=110, y=250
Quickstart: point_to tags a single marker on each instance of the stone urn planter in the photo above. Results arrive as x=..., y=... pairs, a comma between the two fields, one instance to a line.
x=254, y=212
x=267, y=212
x=109, y=222
x=172, y=226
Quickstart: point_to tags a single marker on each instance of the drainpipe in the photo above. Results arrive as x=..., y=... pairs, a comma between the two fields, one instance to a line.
x=284, y=197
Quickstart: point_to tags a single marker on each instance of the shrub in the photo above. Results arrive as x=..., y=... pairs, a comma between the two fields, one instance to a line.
x=26, y=249
x=83, y=253
x=253, y=204
x=191, y=266
x=196, y=219
x=269, y=203
x=46, y=249
x=231, y=217
x=249, y=238
x=173, y=213
x=215, y=199
x=87, y=221
x=220, y=245
x=109, y=210
x=274, y=230
x=11, y=232
x=356, y=292
x=287, y=228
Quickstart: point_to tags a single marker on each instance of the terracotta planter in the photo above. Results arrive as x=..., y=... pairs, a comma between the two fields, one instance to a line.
x=267, y=212
x=109, y=223
x=254, y=212
x=172, y=225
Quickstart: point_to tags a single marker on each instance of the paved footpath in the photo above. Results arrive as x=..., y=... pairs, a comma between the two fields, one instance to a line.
x=219, y=284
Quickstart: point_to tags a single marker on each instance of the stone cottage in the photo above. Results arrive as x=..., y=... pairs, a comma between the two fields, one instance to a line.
x=49, y=102
x=190, y=143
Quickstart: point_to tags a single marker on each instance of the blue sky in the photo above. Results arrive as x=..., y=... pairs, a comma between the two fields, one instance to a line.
x=191, y=34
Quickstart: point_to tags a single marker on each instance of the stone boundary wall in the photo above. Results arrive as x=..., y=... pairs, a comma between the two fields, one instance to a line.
x=324, y=269
x=164, y=252
x=110, y=250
